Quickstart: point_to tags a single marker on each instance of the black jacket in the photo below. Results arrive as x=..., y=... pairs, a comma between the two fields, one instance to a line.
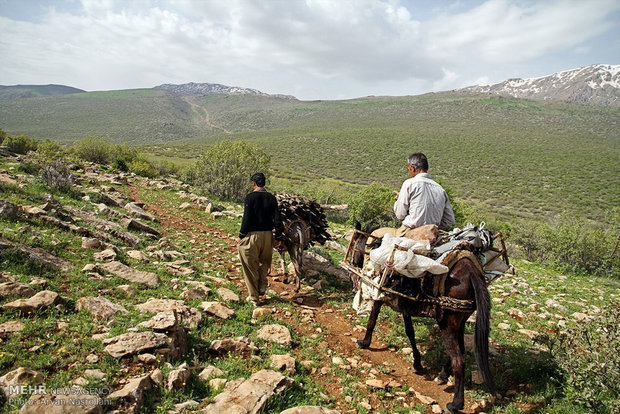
x=261, y=214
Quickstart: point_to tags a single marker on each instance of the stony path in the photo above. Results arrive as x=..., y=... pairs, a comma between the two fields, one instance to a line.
x=339, y=331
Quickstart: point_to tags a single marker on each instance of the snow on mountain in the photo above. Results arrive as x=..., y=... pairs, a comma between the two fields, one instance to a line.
x=598, y=84
x=192, y=88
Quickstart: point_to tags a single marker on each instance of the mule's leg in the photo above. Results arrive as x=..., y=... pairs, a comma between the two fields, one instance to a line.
x=446, y=370
x=296, y=252
x=450, y=336
x=282, y=261
x=417, y=359
x=370, y=327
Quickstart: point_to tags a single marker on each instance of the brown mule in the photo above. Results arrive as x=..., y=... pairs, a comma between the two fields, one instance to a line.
x=465, y=282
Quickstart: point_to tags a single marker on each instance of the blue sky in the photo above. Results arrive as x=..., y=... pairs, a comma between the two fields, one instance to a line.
x=313, y=49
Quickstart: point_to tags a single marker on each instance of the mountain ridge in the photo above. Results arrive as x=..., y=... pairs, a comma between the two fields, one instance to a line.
x=194, y=88
x=598, y=84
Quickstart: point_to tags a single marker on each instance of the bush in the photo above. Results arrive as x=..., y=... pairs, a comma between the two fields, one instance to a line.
x=141, y=166
x=572, y=244
x=20, y=144
x=589, y=359
x=225, y=169
x=3, y=135
x=94, y=149
x=360, y=209
x=49, y=151
x=58, y=176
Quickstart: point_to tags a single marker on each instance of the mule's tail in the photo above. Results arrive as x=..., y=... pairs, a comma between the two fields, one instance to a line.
x=481, y=336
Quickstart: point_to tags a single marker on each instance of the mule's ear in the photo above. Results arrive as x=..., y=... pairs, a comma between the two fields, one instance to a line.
x=358, y=225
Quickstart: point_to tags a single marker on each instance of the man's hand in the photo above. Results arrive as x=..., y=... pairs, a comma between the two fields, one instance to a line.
x=396, y=196
x=277, y=244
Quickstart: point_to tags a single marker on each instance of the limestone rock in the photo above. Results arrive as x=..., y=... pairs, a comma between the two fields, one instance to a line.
x=11, y=327
x=179, y=377
x=40, y=301
x=33, y=211
x=157, y=376
x=8, y=210
x=276, y=333
x=19, y=376
x=15, y=289
x=133, y=224
x=161, y=322
x=189, y=317
x=138, y=255
x=100, y=307
x=129, y=290
x=193, y=294
x=134, y=342
x=106, y=255
x=228, y=295
x=217, y=309
x=260, y=312
x=310, y=409
x=89, y=268
x=138, y=212
x=130, y=274
x=237, y=346
x=209, y=372
x=133, y=392
x=249, y=396
x=284, y=363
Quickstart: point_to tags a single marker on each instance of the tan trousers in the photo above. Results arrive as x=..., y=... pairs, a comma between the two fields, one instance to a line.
x=255, y=251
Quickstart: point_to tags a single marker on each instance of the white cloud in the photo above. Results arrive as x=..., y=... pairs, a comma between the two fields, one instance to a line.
x=322, y=47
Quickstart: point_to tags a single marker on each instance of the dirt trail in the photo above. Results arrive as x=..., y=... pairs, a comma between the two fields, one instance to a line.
x=339, y=332
x=206, y=119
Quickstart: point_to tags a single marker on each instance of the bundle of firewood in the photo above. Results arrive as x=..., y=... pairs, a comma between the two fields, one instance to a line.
x=294, y=207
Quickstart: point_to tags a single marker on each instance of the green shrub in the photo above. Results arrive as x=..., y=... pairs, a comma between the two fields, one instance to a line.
x=49, y=150
x=589, y=359
x=143, y=167
x=572, y=243
x=225, y=169
x=29, y=167
x=120, y=164
x=94, y=149
x=372, y=205
x=3, y=135
x=20, y=144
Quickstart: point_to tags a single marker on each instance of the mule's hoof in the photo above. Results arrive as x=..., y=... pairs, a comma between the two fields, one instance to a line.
x=362, y=344
x=419, y=369
x=454, y=408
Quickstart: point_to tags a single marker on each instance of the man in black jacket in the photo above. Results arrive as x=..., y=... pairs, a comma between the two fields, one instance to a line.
x=260, y=217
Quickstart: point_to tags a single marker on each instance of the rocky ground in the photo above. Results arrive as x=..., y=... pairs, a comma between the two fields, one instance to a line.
x=123, y=294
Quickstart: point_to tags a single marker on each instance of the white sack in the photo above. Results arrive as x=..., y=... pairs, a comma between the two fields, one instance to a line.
x=407, y=263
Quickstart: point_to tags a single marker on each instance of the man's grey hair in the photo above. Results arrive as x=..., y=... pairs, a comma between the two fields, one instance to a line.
x=419, y=160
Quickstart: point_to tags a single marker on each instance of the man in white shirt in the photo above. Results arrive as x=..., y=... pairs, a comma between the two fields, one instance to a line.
x=420, y=201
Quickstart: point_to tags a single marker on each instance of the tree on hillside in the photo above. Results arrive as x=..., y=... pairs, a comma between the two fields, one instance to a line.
x=3, y=135
x=225, y=169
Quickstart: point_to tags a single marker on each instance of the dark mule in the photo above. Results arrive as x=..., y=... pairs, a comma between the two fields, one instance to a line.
x=465, y=281
x=295, y=241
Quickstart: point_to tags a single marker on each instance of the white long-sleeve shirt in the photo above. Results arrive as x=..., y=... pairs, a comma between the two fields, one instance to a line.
x=422, y=201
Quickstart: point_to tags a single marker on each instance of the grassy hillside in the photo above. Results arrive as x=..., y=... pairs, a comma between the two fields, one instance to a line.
x=136, y=116
x=30, y=91
x=511, y=156
x=514, y=157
